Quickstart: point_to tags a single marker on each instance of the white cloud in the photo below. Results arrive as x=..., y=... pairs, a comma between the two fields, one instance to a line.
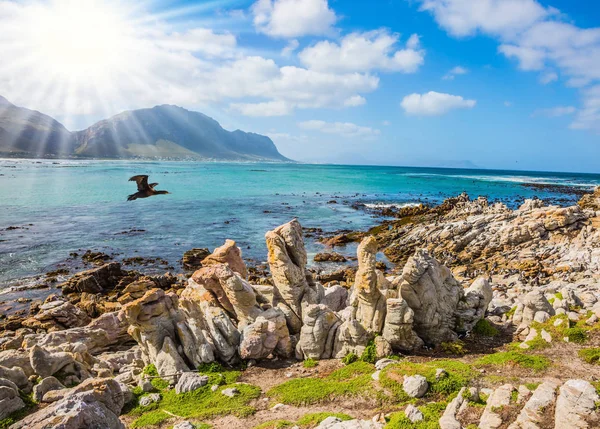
x=588, y=117
x=537, y=37
x=290, y=48
x=201, y=40
x=548, y=77
x=508, y=104
x=154, y=65
x=386, y=123
x=293, y=18
x=363, y=52
x=467, y=17
x=434, y=103
x=456, y=71
x=555, y=112
x=355, y=100
x=345, y=129
x=268, y=108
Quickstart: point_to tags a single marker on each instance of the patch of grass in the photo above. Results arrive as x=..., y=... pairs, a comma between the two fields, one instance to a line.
x=351, y=380
x=538, y=343
x=511, y=312
x=275, y=424
x=349, y=358
x=431, y=416
x=559, y=295
x=370, y=353
x=201, y=403
x=150, y=370
x=485, y=328
x=309, y=363
x=576, y=335
x=536, y=363
x=314, y=419
x=454, y=348
x=591, y=355
x=459, y=374
x=532, y=386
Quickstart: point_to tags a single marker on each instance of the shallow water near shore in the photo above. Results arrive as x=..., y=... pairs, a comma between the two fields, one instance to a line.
x=52, y=208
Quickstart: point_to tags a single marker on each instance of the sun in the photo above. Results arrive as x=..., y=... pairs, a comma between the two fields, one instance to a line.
x=77, y=39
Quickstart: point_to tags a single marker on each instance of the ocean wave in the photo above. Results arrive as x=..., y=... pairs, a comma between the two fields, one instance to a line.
x=510, y=179
x=389, y=206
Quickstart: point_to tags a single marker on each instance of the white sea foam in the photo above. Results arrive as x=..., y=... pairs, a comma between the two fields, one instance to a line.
x=510, y=179
x=389, y=206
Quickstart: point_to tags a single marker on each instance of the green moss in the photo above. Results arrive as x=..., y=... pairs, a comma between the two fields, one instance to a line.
x=431, y=416
x=485, y=328
x=275, y=424
x=538, y=343
x=159, y=383
x=576, y=335
x=454, y=348
x=314, y=419
x=309, y=363
x=559, y=295
x=150, y=370
x=511, y=312
x=514, y=395
x=532, y=386
x=201, y=403
x=351, y=380
x=590, y=355
x=349, y=358
x=537, y=363
x=459, y=374
x=370, y=353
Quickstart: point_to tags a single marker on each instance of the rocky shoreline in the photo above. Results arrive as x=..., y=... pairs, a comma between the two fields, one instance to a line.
x=489, y=318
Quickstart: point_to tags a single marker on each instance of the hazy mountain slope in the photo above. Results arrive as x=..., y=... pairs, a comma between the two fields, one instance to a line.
x=29, y=133
x=123, y=134
x=160, y=132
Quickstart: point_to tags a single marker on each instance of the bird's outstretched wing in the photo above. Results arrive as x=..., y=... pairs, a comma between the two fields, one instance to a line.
x=153, y=185
x=142, y=182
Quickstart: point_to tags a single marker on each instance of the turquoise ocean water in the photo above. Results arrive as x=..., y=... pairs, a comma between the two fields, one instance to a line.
x=60, y=207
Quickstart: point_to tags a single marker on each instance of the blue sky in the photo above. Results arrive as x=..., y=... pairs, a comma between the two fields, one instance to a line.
x=508, y=84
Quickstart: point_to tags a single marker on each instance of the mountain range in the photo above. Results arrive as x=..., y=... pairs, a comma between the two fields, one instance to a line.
x=164, y=131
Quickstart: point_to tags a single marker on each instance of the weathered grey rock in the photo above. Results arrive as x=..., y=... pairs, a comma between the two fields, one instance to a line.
x=228, y=254
x=267, y=335
x=184, y=425
x=491, y=419
x=10, y=401
x=527, y=308
x=382, y=347
x=433, y=294
x=369, y=299
x=230, y=392
x=336, y=423
x=576, y=406
x=57, y=315
x=473, y=305
x=16, y=375
x=18, y=358
x=318, y=333
x=335, y=297
x=94, y=404
x=398, y=327
x=46, y=363
x=149, y=399
x=533, y=412
x=108, y=330
x=448, y=419
x=415, y=386
x=96, y=280
x=350, y=336
x=382, y=363
x=45, y=386
x=413, y=413
x=189, y=381
x=287, y=261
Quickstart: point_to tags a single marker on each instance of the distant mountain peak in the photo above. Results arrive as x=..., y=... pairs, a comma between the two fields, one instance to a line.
x=163, y=131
